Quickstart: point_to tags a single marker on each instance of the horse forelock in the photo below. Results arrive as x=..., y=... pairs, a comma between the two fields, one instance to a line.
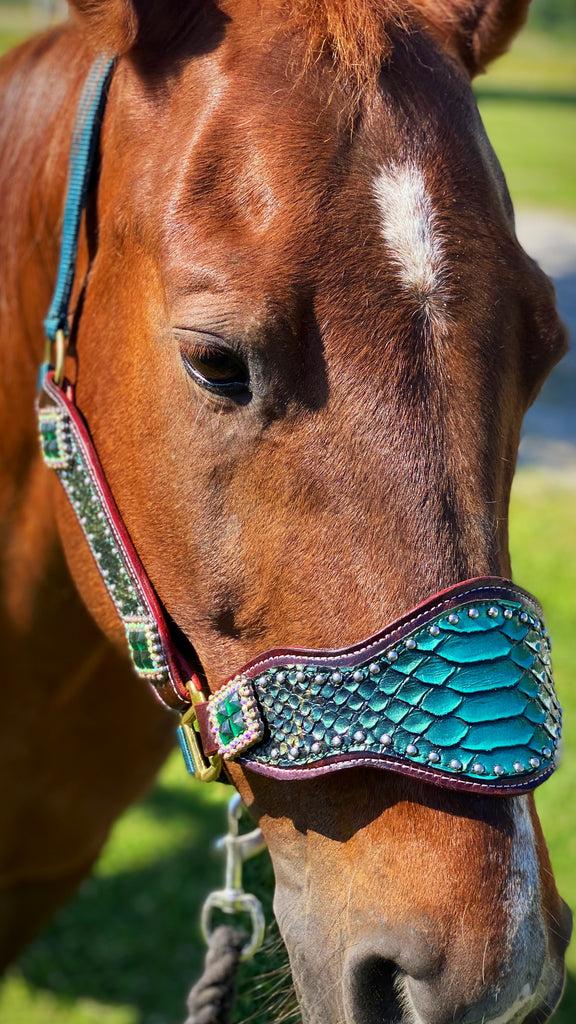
x=355, y=34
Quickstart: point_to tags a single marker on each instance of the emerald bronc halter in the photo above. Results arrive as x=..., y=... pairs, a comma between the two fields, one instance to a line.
x=457, y=692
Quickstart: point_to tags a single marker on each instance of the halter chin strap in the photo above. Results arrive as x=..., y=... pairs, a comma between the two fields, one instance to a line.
x=457, y=692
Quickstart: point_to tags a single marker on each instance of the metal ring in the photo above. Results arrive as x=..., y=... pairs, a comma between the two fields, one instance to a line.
x=235, y=901
x=60, y=345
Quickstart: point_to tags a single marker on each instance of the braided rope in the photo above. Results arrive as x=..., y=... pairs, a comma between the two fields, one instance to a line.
x=212, y=998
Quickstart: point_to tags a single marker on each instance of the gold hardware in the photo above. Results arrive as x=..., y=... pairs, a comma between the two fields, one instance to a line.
x=60, y=343
x=205, y=770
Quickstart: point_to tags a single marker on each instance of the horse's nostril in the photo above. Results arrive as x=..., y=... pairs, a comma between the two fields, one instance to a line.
x=375, y=969
x=373, y=992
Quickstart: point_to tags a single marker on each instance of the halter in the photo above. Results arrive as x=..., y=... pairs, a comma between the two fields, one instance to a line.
x=457, y=692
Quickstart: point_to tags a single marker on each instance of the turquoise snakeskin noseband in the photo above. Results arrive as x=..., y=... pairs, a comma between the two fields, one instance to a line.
x=459, y=693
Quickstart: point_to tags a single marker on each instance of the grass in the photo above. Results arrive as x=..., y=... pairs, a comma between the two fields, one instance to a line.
x=127, y=949
x=528, y=104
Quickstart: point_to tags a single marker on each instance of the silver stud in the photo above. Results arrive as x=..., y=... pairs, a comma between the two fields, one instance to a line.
x=411, y=749
x=359, y=736
x=319, y=678
x=317, y=747
x=374, y=668
x=385, y=739
x=537, y=624
x=546, y=752
x=293, y=753
x=518, y=766
x=336, y=741
x=508, y=613
x=453, y=619
x=493, y=612
x=456, y=764
x=410, y=643
x=535, y=762
x=478, y=768
x=300, y=677
x=433, y=757
x=434, y=630
x=358, y=676
x=499, y=769
x=274, y=752
x=336, y=677
x=392, y=655
x=280, y=677
x=523, y=617
x=473, y=613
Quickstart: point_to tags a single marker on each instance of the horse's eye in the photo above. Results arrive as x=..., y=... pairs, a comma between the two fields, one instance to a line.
x=216, y=369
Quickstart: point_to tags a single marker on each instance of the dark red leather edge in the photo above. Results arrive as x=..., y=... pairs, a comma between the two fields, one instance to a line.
x=439, y=779
x=174, y=693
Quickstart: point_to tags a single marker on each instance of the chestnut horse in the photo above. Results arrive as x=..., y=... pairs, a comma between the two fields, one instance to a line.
x=306, y=336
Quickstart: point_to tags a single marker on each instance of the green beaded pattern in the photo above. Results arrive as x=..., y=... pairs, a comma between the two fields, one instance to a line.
x=62, y=452
x=235, y=719
x=470, y=693
x=54, y=438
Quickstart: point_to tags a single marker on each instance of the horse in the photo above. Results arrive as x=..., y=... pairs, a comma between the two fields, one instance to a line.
x=303, y=337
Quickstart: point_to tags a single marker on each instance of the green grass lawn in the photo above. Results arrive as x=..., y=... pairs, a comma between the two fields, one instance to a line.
x=127, y=949
x=528, y=104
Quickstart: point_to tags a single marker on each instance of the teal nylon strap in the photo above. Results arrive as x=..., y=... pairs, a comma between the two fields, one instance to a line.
x=81, y=163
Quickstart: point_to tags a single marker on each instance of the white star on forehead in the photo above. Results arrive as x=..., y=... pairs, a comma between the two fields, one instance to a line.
x=410, y=228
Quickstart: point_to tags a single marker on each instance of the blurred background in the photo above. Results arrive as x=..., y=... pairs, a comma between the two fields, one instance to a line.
x=127, y=949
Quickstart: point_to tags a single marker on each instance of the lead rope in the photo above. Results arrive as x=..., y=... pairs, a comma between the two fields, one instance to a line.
x=212, y=997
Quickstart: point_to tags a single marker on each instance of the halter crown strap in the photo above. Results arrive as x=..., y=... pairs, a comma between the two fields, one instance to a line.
x=82, y=155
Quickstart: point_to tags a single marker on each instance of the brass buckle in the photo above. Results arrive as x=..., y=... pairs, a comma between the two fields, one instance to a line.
x=59, y=346
x=205, y=769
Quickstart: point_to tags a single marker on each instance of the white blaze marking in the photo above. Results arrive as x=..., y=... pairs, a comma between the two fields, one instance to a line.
x=524, y=876
x=409, y=225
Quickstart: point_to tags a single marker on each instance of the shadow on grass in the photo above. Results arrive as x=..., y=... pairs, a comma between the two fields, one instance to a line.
x=133, y=938
x=486, y=92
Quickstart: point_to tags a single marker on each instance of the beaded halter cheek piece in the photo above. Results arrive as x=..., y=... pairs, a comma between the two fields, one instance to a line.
x=458, y=692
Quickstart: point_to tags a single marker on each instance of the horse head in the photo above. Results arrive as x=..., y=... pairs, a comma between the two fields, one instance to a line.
x=307, y=340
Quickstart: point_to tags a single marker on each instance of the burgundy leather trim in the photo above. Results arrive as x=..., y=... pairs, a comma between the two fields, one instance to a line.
x=173, y=693
x=441, y=780
x=209, y=743
x=482, y=588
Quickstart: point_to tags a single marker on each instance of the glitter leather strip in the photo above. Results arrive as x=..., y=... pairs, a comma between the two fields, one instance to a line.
x=67, y=448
